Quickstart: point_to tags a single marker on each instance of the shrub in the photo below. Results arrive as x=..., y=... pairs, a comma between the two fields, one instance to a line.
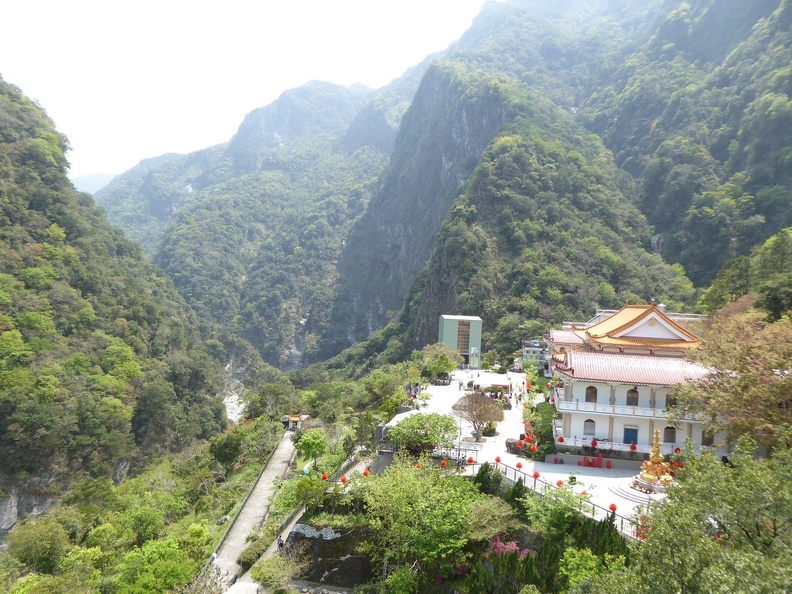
x=253, y=552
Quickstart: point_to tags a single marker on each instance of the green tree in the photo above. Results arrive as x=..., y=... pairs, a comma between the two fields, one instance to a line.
x=40, y=544
x=313, y=443
x=747, y=391
x=722, y=528
x=421, y=432
x=227, y=448
x=421, y=516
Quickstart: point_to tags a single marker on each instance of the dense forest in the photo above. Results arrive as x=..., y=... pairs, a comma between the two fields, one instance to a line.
x=102, y=363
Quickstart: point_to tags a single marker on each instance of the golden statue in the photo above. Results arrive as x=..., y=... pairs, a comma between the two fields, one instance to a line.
x=655, y=469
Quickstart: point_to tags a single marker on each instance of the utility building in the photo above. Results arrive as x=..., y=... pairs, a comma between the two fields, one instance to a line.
x=462, y=333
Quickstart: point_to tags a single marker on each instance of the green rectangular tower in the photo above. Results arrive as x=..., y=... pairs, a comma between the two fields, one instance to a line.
x=462, y=333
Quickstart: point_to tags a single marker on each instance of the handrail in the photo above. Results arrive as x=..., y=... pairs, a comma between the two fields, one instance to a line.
x=626, y=526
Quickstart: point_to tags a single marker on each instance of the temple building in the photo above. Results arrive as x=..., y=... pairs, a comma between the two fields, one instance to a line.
x=615, y=373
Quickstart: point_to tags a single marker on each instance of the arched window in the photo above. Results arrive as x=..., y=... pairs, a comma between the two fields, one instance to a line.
x=669, y=435
x=591, y=394
x=632, y=397
x=589, y=427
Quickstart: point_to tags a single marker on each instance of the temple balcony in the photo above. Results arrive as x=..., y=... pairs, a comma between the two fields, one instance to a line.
x=596, y=408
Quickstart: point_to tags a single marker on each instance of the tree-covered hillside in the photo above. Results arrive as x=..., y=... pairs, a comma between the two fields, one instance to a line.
x=101, y=360
x=691, y=99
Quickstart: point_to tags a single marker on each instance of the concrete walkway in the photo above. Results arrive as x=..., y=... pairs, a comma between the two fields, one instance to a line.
x=252, y=514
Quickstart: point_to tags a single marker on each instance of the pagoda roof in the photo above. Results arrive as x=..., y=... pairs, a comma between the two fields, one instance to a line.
x=595, y=366
x=638, y=326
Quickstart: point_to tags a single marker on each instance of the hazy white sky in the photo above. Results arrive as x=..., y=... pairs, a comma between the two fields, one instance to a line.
x=131, y=80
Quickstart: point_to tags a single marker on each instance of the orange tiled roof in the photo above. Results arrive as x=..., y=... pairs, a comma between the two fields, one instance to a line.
x=608, y=330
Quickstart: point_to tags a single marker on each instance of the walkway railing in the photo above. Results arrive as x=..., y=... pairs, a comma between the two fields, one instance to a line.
x=627, y=526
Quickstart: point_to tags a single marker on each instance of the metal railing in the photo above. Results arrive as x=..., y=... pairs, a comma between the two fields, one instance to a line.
x=626, y=526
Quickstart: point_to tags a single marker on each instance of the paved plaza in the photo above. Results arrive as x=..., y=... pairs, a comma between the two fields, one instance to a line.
x=604, y=486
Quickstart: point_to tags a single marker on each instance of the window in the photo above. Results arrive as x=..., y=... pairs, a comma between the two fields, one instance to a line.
x=630, y=435
x=591, y=394
x=669, y=435
x=463, y=336
x=707, y=439
x=632, y=397
x=589, y=427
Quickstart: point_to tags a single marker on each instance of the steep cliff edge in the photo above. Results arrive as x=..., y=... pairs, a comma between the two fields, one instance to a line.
x=455, y=114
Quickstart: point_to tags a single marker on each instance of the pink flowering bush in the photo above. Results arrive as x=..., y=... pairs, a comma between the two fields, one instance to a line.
x=500, y=548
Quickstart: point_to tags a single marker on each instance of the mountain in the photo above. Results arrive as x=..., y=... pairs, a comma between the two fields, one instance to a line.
x=560, y=156
x=102, y=363
x=92, y=182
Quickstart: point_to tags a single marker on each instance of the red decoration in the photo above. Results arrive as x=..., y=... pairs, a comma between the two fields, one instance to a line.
x=344, y=479
x=536, y=474
x=443, y=463
x=533, y=447
x=519, y=464
x=560, y=483
x=470, y=460
x=608, y=464
x=497, y=459
x=520, y=443
x=325, y=477
x=552, y=401
x=677, y=450
x=612, y=507
x=561, y=439
x=594, y=443
x=633, y=447
x=418, y=465
x=366, y=472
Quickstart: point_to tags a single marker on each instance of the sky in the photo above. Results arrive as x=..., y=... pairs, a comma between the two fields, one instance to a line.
x=125, y=81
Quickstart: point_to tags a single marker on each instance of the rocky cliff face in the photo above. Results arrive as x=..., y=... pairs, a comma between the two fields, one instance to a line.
x=454, y=116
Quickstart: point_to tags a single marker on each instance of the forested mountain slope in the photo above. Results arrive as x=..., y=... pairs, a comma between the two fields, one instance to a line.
x=691, y=99
x=251, y=231
x=700, y=115
x=101, y=360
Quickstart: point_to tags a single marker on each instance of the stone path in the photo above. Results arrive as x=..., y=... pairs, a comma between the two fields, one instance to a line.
x=252, y=514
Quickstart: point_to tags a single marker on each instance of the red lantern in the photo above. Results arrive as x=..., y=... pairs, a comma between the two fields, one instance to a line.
x=677, y=450
x=520, y=443
x=366, y=472
x=594, y=443
x=561, y=439
x=344, y=479
x=536, y=474
x=470, y=460
x=519, y=464
x=552, y=401
x=497, y=459
x=560, y=483
x=325, y=477
x=533, y=447
x=633, y=447
x=443, y=463
x=612, y=507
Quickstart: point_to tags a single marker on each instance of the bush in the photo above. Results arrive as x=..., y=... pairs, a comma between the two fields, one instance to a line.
x=253, y=552
x=488, y=479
